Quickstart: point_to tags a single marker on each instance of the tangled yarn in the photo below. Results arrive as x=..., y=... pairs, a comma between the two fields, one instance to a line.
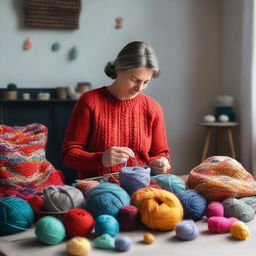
x=186, y=230
x=62, y=198
x=153, y=204
x=218, y=224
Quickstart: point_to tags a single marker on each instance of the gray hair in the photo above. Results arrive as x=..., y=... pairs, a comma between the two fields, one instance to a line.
x=134, y=55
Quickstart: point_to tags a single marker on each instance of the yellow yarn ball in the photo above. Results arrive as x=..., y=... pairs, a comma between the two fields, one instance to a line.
x=158, y=209
x=149, y=238
x=78, y=246
x=239, y=230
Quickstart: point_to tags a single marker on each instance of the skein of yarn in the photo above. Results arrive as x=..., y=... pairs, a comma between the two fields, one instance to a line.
x=238, y=209
x=78, y=222
x=186, y=230
x=62, y=198
x=123, y=243
x=154, y=203
x=194, y=204
x=214, y=208
x=106, y=198
x=16, y=215
x=104, y=241
x=78, y=246
x=128, y=218
x=106, y=224
x=239, y=230
x=218, y=224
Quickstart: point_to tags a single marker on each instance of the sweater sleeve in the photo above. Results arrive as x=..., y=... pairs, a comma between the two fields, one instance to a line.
x=77, y=135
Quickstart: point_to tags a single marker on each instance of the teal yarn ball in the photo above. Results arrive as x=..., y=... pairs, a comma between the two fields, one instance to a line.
x=104, y=241
x=106, y=198
x=106, y=224
x=50, y=230
x=16, y=215
x=170, y=182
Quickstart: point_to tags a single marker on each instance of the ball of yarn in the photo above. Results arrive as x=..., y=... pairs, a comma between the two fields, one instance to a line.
x=193, y=203
x=218, y=224
x=214, y=208
x=62, y=198
x=86, y=185
x=78, y=222
x=186, y=230
x=239, y=230
x=238, y=209
x=104, y=241
x=36, y=202
x=50, y=230
x=106, y=224
x=106, y=198
x=134, y=178
x=209, y=118
x=148, y=238
x=154, y=203
x=78, y=246
x=170, y=182
x=16, y=215
x=128, y=217
x=123, y=243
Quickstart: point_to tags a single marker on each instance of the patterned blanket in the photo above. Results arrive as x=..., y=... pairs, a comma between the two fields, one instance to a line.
x=23, y=165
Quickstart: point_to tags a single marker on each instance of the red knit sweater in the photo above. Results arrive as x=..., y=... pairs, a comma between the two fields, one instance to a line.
x=99, y=121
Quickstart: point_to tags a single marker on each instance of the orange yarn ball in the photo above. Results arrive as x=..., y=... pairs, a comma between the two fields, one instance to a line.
x=159, y=209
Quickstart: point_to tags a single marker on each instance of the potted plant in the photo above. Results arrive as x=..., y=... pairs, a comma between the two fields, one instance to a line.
x=11, y=92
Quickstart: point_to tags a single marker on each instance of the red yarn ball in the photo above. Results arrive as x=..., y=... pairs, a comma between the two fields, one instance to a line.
x=128, y=218
x=78, y=222
x=36, y=202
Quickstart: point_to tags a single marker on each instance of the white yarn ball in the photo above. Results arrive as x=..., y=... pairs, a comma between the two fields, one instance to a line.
x=223, y=118
x=209, y=118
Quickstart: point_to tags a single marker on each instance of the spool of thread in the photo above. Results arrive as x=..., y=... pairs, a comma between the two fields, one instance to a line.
x=152, y=203
x=78, y=222
x=36, y=202
x=128, y=218
x=86, y=185
x=123, y=243
x=78, y=246
x=104, y=241
x=170, y=182
x=50, y=230
x=148, y=238
x=238, y=209
x=16, y=215
x=214, y=208
x=106, y=198
x=106, y=224
x=62, y=198
x=194, y=204
x=239, y=230
x=186, y=230
x=134, y=178
x=218, y=224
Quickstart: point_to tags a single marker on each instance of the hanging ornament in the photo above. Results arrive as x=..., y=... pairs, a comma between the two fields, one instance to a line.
x=27, y=45
x=73, y=54
x=55, y=46
x=119, y=22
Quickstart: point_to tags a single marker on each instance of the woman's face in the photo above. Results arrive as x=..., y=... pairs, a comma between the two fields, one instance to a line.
x=133, y=81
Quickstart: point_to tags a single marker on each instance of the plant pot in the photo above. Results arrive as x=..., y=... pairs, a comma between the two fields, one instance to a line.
x=10, y=95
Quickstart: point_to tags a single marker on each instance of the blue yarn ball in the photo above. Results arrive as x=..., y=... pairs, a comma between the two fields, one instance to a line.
x=194, y=204
x=106, y=224
x=134, y=178
x=123, y=243
x=16, y=215
x=186, y=230
x=50, y=230
x=106, y=198
x=170, y=182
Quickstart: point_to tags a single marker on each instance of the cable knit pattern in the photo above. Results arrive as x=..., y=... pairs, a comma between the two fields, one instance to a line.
x=99, y=121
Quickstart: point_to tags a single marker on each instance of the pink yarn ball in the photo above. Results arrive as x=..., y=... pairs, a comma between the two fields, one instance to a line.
x=218, y=224
x=214, y=208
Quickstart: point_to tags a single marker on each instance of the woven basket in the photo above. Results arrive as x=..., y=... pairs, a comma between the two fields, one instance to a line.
x=52, y=13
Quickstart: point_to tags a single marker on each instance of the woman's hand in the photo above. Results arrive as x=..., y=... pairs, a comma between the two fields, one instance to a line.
x=160, y=165
x=116, y=155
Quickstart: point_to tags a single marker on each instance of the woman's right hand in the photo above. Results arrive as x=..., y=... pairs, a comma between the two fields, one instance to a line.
x=116, y=155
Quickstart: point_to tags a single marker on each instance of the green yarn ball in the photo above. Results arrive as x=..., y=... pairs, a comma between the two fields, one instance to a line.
x=104, y=241
x=50, y=230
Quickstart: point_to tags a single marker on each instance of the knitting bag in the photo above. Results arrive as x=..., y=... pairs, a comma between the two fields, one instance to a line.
x=221, y=177
x=23, y=165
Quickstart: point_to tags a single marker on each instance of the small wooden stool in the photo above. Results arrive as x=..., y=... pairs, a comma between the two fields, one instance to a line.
x=220, y=127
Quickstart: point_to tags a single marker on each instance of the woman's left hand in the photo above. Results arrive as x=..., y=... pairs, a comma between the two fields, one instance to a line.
x=160, y=165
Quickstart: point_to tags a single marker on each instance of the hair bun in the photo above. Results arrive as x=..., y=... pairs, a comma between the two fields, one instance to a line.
x=110, y=70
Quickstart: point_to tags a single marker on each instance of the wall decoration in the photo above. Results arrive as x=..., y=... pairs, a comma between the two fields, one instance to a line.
x=56, y=46
x=52, y=14
x=27, y=45
x=73, y=54
x=119, y=22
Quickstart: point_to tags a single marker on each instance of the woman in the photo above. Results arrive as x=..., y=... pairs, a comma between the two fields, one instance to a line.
x=113, y=124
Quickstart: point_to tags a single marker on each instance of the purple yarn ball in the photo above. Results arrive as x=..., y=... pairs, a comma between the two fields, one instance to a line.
x=122, y=243
x=186, y=230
